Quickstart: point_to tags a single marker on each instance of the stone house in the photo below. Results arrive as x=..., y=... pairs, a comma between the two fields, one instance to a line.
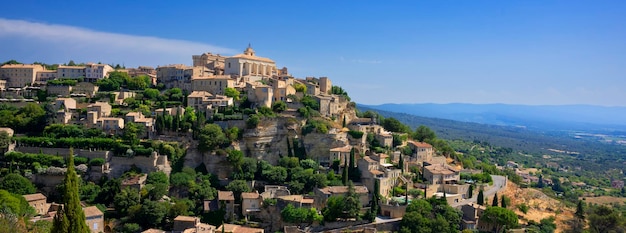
x=226, y=201
x=43, y=76
x=471, y=215
x=140, y=119
x=20, y=75
x=249, y=66
x=260, y=94
x=281, y=90
x=94, y=218
x=134, y=182
x=375, y=167
x=85, y=88
x=120, y=96
x=182, y=223
x=111, y=125
x=59, y=90
x=39, y=202
x=250, y=203
x=338, y=153
x=295, y=200
x=179, y=76
x=274, y=191
x=213, y=84
x=421, y=151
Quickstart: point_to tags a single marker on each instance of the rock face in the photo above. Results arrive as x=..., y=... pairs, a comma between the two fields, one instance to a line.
x=269, y=141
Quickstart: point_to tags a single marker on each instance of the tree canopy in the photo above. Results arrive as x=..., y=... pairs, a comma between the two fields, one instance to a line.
x=17, y=184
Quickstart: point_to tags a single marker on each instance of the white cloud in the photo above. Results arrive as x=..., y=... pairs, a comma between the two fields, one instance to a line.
x=61, y=41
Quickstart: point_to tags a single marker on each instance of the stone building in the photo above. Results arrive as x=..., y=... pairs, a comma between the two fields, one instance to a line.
x=20, y=75
x=39, y=202
x=213, y=84
x=94, y=218
x=322, y=194
x=421, y=151
x=179, y=76
x=250, y=203
x=214, y=62
x=249, y=66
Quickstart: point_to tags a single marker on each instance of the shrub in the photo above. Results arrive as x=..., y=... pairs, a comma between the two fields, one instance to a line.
x=355, y=134
x=96, y=162
x=253, y=121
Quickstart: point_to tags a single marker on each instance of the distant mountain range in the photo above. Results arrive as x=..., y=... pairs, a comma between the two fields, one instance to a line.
x=558, y=117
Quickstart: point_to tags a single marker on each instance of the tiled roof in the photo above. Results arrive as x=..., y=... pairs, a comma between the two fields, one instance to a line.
x=251, y=195
x=345, y=149
x=237, y=229
x=342, y=189
x=420, y=144
x=34, y=197
x=92, y=211
x=182, y=218
x=225, y=196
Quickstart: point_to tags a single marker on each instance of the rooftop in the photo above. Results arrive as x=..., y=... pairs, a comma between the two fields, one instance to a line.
x=225, y=196
x=342, y=149
x=441, y=169
x=342, y=189
x=182, y=218
x=420, y=144
x=34, y=197
x=237, y=229
x=92, y=211
x=251, y=195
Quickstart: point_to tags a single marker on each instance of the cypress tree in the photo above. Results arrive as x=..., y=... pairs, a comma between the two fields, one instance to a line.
x=503, y=201
x=401, y=163
x=540, y=183
x=344, y=121
x=344, y=174
x=289, y=151
x=481, y=198
x=495, y=200
x=470, y=191
x=580, y=210
x=71, y=217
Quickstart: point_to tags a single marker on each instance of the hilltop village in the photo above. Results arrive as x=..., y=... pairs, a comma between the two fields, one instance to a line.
x=231, y=144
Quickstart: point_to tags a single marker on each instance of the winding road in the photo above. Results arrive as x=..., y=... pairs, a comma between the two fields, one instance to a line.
x=499, y=182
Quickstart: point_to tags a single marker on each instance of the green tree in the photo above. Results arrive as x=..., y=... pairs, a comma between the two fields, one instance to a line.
x=157, y=185
x=211, y=137
x=238, y=187
x=70, y=218
x=151, y=214
x=481, y=198
x=470, y=191
x=423, y=133
x=344, y=173
x=394, y=125
x=151, y=94
x=401, y=163
x=352, y=203
x=374, y=206
x=580, y=210
x=334, y=208
x=125, y=199
x=605, y=219
x=232, y=92
x=504, y=202
x=14, y=205
x=500, y=218
x=17, y=184
x=132, y=133
x=253, y=121
x=5, y=140
x=279, y=106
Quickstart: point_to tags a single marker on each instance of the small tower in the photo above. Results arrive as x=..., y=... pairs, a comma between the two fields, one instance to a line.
x=249, y=51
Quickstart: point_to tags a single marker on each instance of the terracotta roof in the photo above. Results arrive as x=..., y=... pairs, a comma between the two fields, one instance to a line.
x=238, y=229
x=183, y=218
x=251, y=195
x=255, y=58
x=342, y=149
x=441, y=169
x=199, y=94
x=20, y=66
x=225, y=196
x=212, y=77
x=420, y=144
x=152, y=230
x=34, y=197
x=342, y=189
x=369, y=160
x=92, y=211
x=297, y=198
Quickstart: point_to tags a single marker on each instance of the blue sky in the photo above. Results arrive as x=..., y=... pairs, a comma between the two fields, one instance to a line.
x=515, y=52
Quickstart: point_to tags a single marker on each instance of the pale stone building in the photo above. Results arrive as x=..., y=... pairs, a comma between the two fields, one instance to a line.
x=39, y=202
x=251, y=203
x=422, y=151
x=375, y=167
x=43, y=76
x=59, y=90
x=84, y=88
x=95, y=72
x=249, y=65
x=213, y=62
x=111, y=125
x=281, y=90
x=94, y=218
x=64, y=103
x=179, y=76
x=3, y=85
x=232, y=228
x=20, y=75
x=71, y=72
x=140, y=119
x=337, y=153
x=213, y=84
x=260, y=94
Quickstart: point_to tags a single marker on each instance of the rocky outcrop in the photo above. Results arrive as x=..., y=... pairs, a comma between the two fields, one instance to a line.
x=269, y=141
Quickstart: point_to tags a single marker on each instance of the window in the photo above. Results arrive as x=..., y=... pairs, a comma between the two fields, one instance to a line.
x=95, y=225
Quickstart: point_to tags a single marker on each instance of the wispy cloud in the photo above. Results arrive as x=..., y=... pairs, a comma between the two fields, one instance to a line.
x=89, y=44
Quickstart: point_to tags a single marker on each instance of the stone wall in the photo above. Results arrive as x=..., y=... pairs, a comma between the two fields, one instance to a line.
x=155, y=162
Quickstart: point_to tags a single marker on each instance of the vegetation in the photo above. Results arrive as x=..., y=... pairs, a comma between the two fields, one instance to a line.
x=70, y=217
x=430, y=215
